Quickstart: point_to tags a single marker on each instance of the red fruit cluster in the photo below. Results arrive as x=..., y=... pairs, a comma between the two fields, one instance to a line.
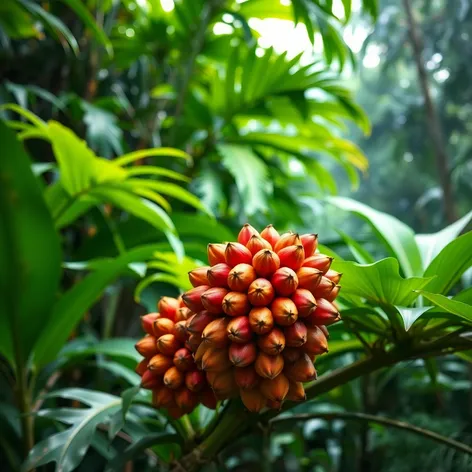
x=168, y=367
x=259, y=314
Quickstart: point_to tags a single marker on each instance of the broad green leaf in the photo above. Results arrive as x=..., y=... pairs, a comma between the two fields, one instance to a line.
x=410, y=315
x=399, y=237
x=380, y=282
x=460, y=309
x=358, y=251
x=30, y=252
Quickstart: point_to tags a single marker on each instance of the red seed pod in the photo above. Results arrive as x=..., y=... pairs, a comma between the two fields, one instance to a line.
x=181, y=331
x=287, y=239
x=239, y=330
x=272, y=343
x=183, y=314
x=260, y=292
x=141, y=367
x=284, y=311
x=296, y=392
x=213, y=298
x=273, y=405
x=296, y=334
x=253, y=400
x=175, y=412
x=218, y=275
x=316, y=342
x=215, y=360
x=236, y=253
x=242, y=355
x=160, y=363
x=256, y=244
x=261, y=320
x=333, y=276
x=304, y=301
x=216, y=253
x=207, y=397
x=310, y=243
x=275, y=389
x=265, y=262
x=163, y=326
x=318, y=261
x=215, y=333
x=147, y=346
x=193, y=341
x=325, y=330
x=150, y=380
x=198, y=356
x=236, y=304
x=197, y=323
x=325, y=287
x=292, y=257
x=325, y=314
x=168, y=344
x=223, y=385
x=334, y=293
x=193, y=298
x=246, y=377
x=284, y=281
x=173, y=378
x=291, y=354
x=147, y=321
x=181, y=301
x=247, y=231
x=163, y=397
x=309, y=278
x=301, y=370
x=183, y=359
x=167, y=307
x=268, y=366
x=186, y=399
x=240, y=277
x=198, y=276
x=270, y=234
x=195, y=380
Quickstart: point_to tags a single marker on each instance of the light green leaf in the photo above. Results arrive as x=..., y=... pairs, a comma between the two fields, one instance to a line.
x=410, y=315
x=358, y=251
x=156, y=152
x=159, y=171
x=460, y=309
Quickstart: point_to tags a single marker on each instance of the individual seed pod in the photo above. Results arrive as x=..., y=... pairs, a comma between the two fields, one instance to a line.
x=147, y=346
x=296, y=334
x=333, y=276
x=240, y=277
x=193, y=341
x=265, y=262
x=275, y=389
x=193, y=298
x=186, y=399
x=301, y=370
x=183, y=359
x=198, y=276
x=246, y=377
x=167, y=307
x=287, y=239
x=316, y=342
x=270, y=234
x=284, y=311
x=215, y=360
x=213, y=298
x=325, y=314
x=163, y=326
x=218, y=275
x=141, y=367
x=183, y=314
x=195, y=381
x=198, y=356
x=247, y=231
x=236, y=304
x=181, y=331
x=151, y=380
x=224, y=386
x=291, y=354
x=239, y=330
x=162, y=397
x=253, y=400
x=292, y=257
x=261, y=320
x=242, y=355
x=296, y=392
x=268, y=366
x=215, y=333
x=310, y=243
x=309, y=278
x=216, y=253
x=181, y=301
x=272, y=343
x=160, y=363
x=273, y=405
x=318, y=261
x=325, y=330
x=175, y=412
x=256, y=244
x=236, y=253
x=304, y=301
x=334, y=293
x=197, y=323
x=325, y=287
x=260, y=292
x=284, y=281
x=207, y=397
x=168, y=344
x=147, y=322
x=173, y=378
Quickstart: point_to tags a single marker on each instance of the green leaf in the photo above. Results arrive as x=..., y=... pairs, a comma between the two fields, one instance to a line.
x=358, y=251
x=410, y=315
x=157, y=152
x=460, y=309
x=30, y=251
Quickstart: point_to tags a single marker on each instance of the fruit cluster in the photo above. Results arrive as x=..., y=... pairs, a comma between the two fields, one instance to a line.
x=259, y=314
x=168, y=367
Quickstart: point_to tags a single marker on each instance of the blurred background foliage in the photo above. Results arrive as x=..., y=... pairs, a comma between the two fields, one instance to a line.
x=200, y=115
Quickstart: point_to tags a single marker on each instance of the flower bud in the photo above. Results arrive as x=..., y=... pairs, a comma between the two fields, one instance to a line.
x=296, y=334
x=247, y=231
x=168, y=344
x=183, y=314
x=141, y=367
x=147, y=346
x=253, y=400
x=308, y=278
x=216, y=253
x=242, y=355
x=186, y=399
x=333, y=294
x=223, y=385
x=183, y=359
x=181, y=331
x=236, y=304
x=325, y=314
x=325, y=287
x=318, y=261
x=310, y=243
x=198, y=276
x=260, y=292
x=167, y=307
x=215, y=333
x=218, y=275
x=287, y=239
x=173, y=378
x=160, y=363
x=270, y=234
x=292, y=257
x=163, y=326
x=291, y=354
x=240, y=277
x=284, y=311
x=301, y=370
x=333, y=276
x=197, y=323
x=236, y=253
x=162, y=397
x=265, y=262
x=316, y=342
x=195, y=380
x=246, y=377
x=304, y=301
x=261, y=320
x=213, y=298
x=284, y=281
x=150, y=380
x=239, y=330
x=207, y=397
x=272, y=343
x=275, y=389
x=268, y=366
x=296, y=392
x=147, y=321
x=215, y=360
x=193, y=342
x=256, y=244
x=193, y=298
